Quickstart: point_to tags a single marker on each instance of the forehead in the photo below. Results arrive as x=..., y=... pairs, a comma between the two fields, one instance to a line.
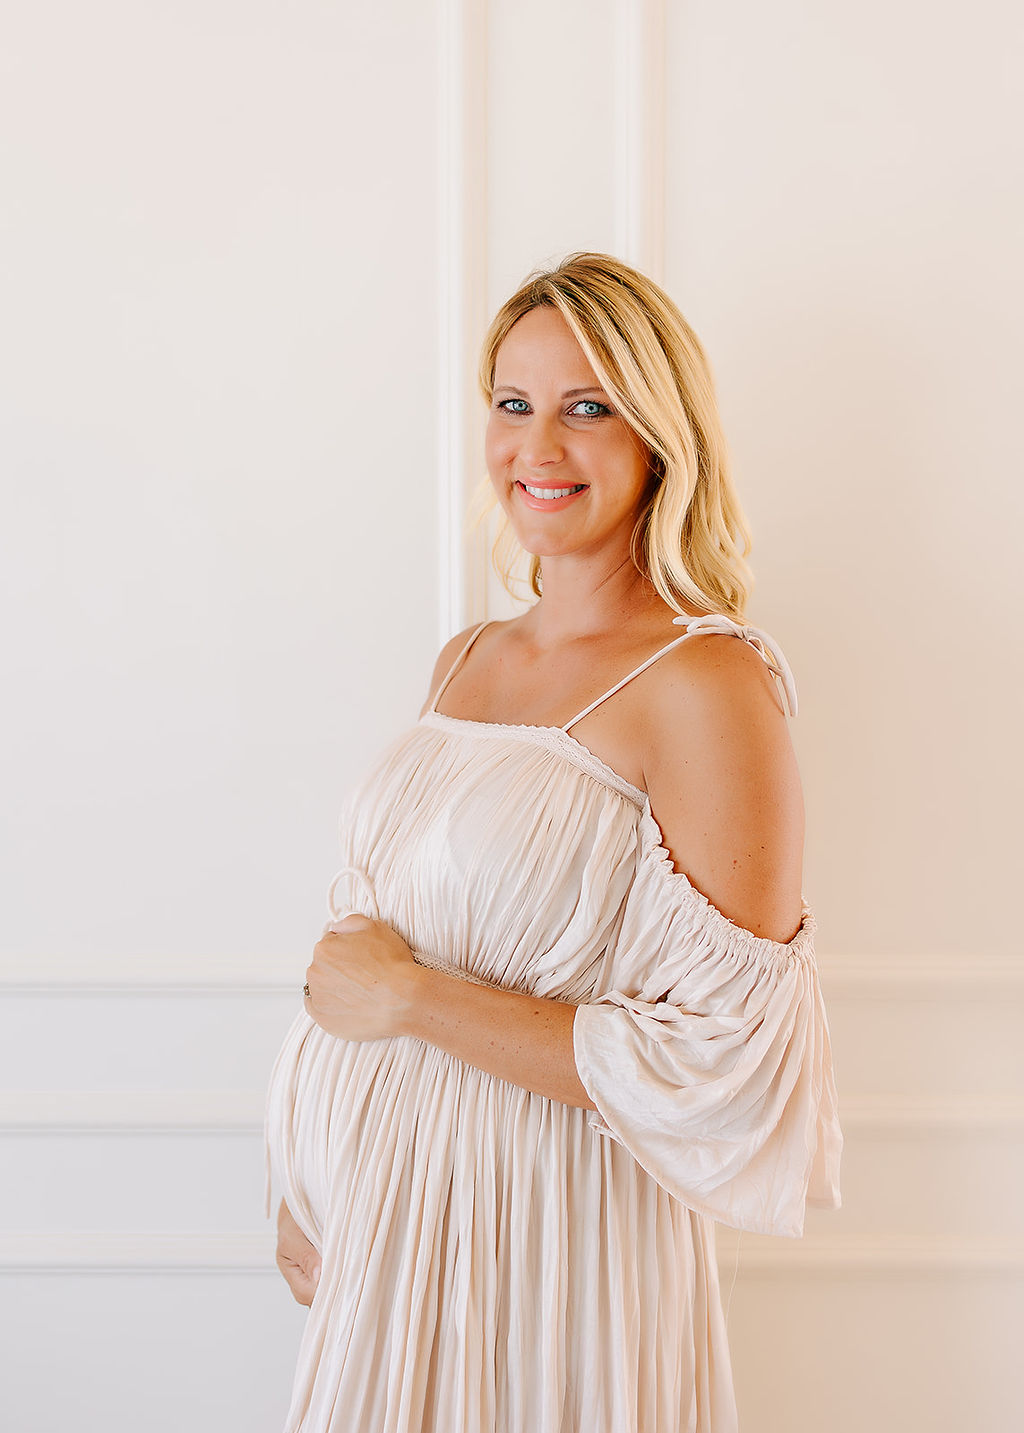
x=541, y=343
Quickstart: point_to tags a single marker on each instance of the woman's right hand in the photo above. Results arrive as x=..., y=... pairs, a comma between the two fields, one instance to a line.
x=297, y=1259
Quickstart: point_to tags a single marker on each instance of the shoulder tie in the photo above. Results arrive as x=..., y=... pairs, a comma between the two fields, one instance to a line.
x=766, y=647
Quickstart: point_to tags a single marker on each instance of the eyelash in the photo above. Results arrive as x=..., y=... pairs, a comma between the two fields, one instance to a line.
x=605, y=412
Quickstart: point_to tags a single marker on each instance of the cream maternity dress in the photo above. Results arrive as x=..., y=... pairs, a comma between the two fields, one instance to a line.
x=494, y=1261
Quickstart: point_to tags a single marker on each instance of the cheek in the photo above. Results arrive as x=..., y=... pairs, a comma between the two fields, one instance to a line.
x=499, y=449
x=636, y=462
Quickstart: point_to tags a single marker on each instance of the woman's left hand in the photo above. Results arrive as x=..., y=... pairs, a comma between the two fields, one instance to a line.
x=362, y=980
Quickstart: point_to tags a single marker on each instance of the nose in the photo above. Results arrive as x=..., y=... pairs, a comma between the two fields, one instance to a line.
x=541, y=443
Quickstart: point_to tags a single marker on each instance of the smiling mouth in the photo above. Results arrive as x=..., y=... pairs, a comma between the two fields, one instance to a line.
x=549, y=494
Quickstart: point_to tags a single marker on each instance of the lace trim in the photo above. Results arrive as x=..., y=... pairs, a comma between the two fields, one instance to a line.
x=434, y=962
x=552, y=738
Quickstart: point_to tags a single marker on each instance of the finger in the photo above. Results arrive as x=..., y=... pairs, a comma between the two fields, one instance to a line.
x=326, y=946
x=352, y=922
x=300, y=1278
x=302, y=1288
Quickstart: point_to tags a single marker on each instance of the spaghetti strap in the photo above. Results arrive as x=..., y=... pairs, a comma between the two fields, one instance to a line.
x=456, y=665
x=625, y=681
x=763, y=645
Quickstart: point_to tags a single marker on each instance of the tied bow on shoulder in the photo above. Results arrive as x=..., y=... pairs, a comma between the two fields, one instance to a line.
x=764, y=645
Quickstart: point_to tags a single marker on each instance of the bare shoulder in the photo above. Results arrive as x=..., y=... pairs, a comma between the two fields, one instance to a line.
x=446, y=659
x=723, y=782
x=715, y=668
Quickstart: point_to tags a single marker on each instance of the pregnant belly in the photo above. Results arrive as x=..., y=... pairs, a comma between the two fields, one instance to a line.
x=323, y=1093
x=357, y=1125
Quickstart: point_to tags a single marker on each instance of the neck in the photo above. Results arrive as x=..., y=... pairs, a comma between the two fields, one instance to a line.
x=582, y=599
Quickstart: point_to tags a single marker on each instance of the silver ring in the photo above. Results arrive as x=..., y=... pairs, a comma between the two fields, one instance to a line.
x=305, y=990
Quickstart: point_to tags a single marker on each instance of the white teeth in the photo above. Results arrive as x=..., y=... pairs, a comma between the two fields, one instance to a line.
x=552, y=493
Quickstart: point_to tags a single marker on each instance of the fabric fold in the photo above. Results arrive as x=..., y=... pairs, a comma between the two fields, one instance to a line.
x=711, y=1061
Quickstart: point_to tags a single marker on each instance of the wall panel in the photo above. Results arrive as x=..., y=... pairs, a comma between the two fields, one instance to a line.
x=151, y=1350
x=216, y=378
x=220, y=283
x=839, y=228
x=841, y=222
x=551, y=137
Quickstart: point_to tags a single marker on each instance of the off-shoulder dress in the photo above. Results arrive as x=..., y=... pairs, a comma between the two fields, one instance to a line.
x=494, y=1261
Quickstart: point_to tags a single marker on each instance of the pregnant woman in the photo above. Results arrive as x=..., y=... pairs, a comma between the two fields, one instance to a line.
x=566, y=1015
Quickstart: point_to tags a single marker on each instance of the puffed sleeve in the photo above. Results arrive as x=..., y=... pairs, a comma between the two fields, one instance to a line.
x=706, y=1052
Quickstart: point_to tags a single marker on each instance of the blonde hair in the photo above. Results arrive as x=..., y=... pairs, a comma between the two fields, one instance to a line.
x=691, y=539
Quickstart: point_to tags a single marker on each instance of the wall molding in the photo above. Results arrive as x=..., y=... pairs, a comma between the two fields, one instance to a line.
x=461, y=299
x=909, y=1116
x=131, y=1112
x=842, y=977
x=232, y=1252
x=107, y=1252
x=84, y=985
x=210, y=1111
x=146, y=974
x=867, y=1255
x=641, y=43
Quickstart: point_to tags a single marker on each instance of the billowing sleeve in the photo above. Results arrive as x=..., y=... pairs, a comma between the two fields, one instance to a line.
x=707, y=1054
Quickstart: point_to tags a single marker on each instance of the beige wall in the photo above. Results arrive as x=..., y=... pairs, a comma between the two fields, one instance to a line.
x=247, y=259
x=843, y=218
x=844, y=212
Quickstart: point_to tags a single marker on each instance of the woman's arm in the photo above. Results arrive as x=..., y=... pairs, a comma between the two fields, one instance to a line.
x=364, y=984
x=519, y=1038
x=721, y=774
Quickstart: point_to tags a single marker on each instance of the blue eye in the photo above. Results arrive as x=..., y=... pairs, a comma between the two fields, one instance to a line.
x=508, y=405
x=592, y=409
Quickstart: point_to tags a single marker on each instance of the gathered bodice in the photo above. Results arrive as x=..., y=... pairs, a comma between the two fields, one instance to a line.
x=508, y=853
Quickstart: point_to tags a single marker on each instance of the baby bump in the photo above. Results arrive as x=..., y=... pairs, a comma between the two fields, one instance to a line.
x=338, y=1112
x=307, y=1098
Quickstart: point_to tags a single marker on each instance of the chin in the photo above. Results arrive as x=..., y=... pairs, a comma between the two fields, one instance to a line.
x=537, y=544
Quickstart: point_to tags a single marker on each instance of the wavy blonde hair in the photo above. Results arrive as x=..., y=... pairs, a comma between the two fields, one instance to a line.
x=691, y=539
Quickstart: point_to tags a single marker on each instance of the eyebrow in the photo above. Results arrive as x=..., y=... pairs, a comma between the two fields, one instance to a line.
x=569, y=392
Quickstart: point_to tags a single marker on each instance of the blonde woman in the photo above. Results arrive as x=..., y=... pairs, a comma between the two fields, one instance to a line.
x=566, y=1015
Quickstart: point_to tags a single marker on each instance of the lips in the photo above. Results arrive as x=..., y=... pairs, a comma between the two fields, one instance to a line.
x=549, y=497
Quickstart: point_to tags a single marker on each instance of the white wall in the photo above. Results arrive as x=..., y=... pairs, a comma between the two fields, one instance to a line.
x=247, y=257
x=219, y=428
x=218, y=370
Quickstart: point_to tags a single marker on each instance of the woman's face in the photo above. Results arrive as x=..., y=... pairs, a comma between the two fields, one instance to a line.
x=569, y=472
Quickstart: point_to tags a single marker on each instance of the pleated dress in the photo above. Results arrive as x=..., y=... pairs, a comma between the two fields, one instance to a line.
x=494, y=1261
